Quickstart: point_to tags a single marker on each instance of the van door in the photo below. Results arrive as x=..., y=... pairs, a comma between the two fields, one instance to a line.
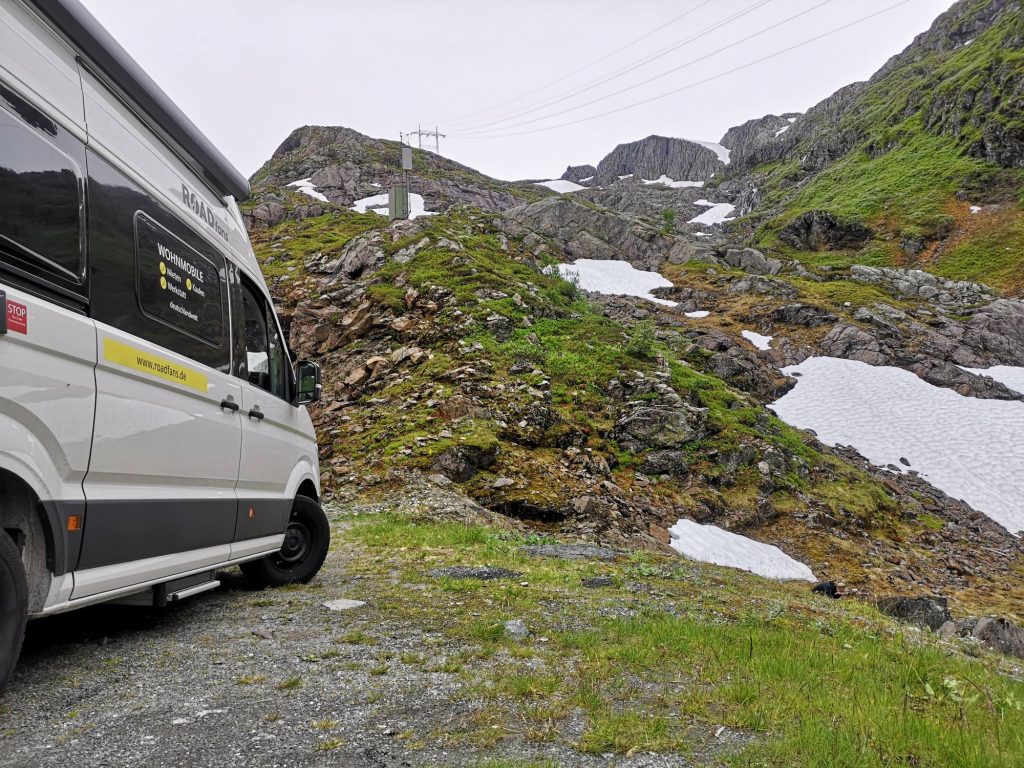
x=274, y=442
x=47, y=341
x=160, y=488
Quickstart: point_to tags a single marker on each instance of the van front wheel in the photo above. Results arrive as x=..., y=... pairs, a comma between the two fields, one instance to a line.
x=13, y=607
x=304, y=550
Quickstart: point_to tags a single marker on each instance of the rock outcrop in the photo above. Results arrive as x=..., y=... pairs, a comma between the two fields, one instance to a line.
x=580, y=174
x=747, y=142
x=586, y=233
x=821, y=230
x=655, y=156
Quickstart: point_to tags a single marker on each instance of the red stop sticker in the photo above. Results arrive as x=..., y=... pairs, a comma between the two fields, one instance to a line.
x=17, y=317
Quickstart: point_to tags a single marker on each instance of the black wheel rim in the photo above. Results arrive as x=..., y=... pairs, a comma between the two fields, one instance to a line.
x=298, y=541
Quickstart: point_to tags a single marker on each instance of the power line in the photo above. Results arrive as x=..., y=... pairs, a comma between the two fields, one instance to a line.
x=700, y=82
x=428, y=133
x=689, y=63
x=585, y=67
x=589, y=86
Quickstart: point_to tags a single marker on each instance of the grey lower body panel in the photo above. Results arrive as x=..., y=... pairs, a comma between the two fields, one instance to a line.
x=122, y=531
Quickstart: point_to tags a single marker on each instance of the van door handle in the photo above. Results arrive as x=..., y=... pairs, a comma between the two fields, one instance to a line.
x=256, y=413
x=230, y=405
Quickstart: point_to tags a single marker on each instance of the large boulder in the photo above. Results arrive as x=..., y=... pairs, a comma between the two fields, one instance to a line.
x=931, y=612
x=853, y=343
x=460, y=463
x=1000, y=635
x=752, y=261
x=656, y=427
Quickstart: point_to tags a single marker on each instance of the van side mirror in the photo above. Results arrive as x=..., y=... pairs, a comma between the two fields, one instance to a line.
x=310, y=385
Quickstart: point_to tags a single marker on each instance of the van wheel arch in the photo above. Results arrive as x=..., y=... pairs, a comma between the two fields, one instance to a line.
x=308, y=489
x=27, y=521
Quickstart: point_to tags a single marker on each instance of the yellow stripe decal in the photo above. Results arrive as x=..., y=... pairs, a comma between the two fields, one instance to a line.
x=154, y=365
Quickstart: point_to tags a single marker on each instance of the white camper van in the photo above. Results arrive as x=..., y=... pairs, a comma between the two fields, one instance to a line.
x=152, y=423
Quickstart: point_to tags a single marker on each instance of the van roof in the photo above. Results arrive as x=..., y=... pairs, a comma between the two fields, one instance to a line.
x=97, y=45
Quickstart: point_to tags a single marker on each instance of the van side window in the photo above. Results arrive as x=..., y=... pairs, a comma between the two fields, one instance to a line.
x=41, y=194
x=181, y=305
x=266, y=362
x=177, y=285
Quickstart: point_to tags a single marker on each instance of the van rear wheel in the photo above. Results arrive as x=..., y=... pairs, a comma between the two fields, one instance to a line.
x=306, y=542
x=13, y=607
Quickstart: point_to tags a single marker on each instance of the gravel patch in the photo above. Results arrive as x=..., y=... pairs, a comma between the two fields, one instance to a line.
x=572, y=552
x=483, y=573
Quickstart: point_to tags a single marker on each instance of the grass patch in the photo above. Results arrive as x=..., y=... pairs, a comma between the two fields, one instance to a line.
x=764, y=659
x=291, y=684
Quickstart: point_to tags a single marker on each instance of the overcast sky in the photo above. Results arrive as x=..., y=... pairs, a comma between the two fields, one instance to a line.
x=249, y=71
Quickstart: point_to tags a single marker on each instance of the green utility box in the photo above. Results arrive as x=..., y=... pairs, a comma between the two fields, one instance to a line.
x=398, y=201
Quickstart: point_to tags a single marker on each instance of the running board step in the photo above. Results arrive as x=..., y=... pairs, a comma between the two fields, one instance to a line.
x=181, y=594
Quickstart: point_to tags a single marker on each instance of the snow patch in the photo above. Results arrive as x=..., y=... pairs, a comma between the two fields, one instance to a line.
x=615, y=278
x=716, y=213
x=759, y=341
x=626, y=176
x=702, y=234
x=710, y=544
x=306, y=187
x=718, y=149
x=589, y=178
x=1007, y=374
x=781, y=131
x=791, y=119
x=561, y=185
x=975, y=208
x=379, y=204
x=972, y=449
x=700, y=314
x=666, y=181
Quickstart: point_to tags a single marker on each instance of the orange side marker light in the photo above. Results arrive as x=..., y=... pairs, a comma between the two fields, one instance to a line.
x=74, y=522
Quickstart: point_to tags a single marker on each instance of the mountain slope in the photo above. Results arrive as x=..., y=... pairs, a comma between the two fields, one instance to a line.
x=937, y=130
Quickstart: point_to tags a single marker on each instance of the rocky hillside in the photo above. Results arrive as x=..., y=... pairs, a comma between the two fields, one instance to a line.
x=451, y=349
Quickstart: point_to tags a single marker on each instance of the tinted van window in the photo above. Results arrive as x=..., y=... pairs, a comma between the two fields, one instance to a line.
x=184, y=308
x=177, y=285
x=41, y=193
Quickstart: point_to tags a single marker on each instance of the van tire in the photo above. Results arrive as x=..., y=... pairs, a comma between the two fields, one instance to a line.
x=13, y=607
x=307, y=540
